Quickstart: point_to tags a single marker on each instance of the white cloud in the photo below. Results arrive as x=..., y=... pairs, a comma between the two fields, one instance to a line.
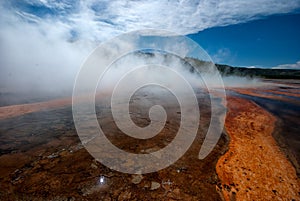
x=288, y=66
x=100, y=20
x=35, y=44
x=187, y=16
x=183, y=17
x=37, y=56
x=223, y=55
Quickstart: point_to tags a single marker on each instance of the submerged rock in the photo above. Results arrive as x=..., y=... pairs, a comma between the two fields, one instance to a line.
x=136, y=179
x=154, y=185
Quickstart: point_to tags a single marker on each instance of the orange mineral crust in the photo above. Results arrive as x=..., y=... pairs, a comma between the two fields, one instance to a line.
x=17, y=110
x=254, y=168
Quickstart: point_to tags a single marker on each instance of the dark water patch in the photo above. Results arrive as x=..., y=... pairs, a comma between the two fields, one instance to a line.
x=23, y=133
x=280, y=95
x=295, y=91
x=286, y=87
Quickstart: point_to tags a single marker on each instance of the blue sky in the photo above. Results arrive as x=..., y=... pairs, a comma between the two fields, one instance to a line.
x=56, y=36
x=267, y=42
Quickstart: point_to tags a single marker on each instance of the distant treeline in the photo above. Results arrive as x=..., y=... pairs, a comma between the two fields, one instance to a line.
x=227, y=70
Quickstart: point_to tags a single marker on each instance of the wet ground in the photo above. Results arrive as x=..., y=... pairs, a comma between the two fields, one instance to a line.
x=42, y=158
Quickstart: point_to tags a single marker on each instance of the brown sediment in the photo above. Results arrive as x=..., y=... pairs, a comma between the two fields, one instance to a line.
x=22, y=109
x=17, y=110
x=254, y=168
x=263, y=93
x=41, y=158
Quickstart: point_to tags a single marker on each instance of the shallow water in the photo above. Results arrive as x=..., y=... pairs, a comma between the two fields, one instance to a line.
x=42, y=157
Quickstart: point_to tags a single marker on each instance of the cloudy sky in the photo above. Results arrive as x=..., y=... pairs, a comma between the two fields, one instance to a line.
x=48, y=36
x=272, y=41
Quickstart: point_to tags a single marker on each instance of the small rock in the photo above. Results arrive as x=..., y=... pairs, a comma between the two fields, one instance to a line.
x=137, y=178
x=154, y=185
x=94, y=166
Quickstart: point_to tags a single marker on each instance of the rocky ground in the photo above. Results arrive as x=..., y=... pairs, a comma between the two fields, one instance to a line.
x=42, y=158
